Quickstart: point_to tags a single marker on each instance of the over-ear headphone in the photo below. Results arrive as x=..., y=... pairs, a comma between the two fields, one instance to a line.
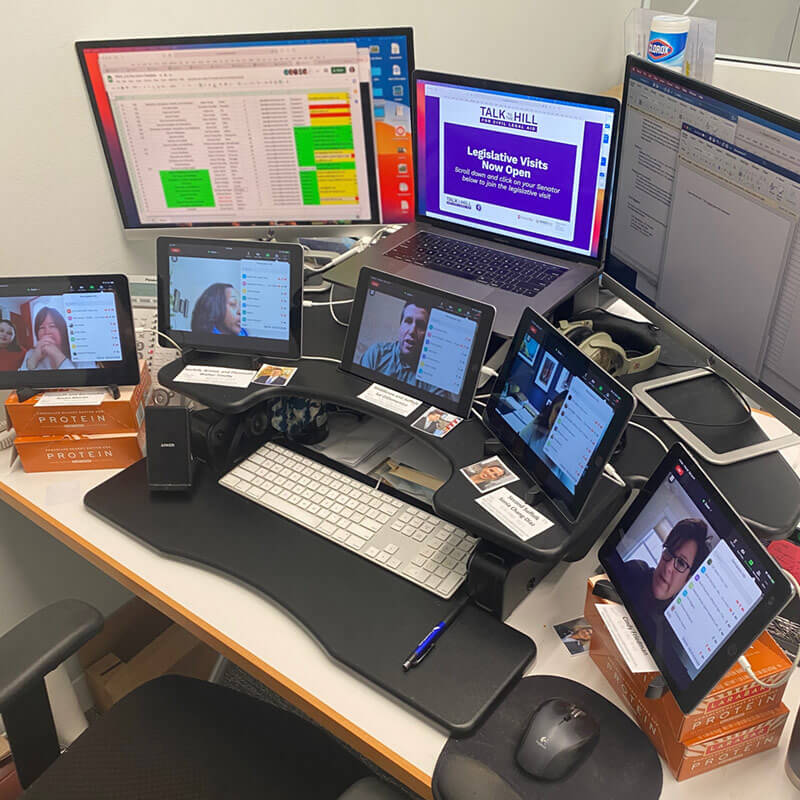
x=620, y=346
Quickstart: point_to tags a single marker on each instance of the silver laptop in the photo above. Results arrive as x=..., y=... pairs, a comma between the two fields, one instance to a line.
x=510, y=187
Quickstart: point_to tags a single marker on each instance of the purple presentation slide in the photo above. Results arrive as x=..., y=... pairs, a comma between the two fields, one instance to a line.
x=560, y=158
x=532, y=176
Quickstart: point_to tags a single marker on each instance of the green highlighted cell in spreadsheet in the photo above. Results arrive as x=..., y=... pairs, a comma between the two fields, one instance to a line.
x=187, y=188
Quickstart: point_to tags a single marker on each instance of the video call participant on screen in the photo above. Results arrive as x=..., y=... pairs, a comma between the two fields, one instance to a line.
x=11, y=354
x=217, y=310
x=684, y=550
x=52, y=343
x=535, y=434
x=398, y=359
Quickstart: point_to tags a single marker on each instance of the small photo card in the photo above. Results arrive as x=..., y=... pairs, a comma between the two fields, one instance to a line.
x=273, y=375
x=436, y=422
x=489, y=474
x=575, y=635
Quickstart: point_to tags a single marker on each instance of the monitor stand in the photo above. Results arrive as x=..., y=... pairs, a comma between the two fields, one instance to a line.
x=642, y=392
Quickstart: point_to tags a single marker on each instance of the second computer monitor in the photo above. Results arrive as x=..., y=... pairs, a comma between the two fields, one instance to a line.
x=705, y=221
x=256, y=129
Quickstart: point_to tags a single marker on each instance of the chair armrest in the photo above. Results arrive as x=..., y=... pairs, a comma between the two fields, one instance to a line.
x=41, y=642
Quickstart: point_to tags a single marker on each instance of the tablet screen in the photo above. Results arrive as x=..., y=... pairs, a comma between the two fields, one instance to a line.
x=66, y=331
x=422, y=341
x=231, y=296
x=558, y=412
x=690, y=572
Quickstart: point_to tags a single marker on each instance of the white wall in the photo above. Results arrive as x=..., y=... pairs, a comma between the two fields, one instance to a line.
x=56, y=204
x=757, y=28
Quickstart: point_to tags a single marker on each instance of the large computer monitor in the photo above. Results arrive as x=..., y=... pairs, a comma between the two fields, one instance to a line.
x=247, y=132
x=705, y=230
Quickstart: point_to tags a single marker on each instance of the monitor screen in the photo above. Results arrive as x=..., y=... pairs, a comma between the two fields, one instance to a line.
x=232, y=296
x=690, y=572
x=256, y=129
x=558, y=413
x=417, y=339
x=533, y=168
x=66, y=331
x=705, y=221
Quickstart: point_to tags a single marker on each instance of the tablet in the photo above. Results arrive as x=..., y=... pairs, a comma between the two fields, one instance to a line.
x=66, y=331
x=421, y=341
x=699, y=586
x=231, y=296
x=558, y=413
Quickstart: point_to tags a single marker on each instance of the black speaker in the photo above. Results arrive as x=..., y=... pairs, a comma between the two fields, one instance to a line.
x=170, y=467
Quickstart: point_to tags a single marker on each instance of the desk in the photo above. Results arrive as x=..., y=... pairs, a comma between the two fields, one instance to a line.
x=262, y=639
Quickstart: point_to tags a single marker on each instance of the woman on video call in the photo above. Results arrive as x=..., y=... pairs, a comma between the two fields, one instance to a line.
x=52, y=343
x=684, y=550
x=11, y=354
x=217, y=310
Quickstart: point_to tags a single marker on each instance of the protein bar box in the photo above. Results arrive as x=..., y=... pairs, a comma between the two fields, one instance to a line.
x=736, y=719
x=80, y=451
x=123, y=415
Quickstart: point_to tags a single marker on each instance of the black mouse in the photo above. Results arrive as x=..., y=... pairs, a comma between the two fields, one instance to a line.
x=559, y=736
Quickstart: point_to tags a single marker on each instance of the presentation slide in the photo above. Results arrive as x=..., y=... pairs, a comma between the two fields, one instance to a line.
x=528, y=167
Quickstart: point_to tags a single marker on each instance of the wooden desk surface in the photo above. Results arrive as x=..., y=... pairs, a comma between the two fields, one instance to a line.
x=261, y=638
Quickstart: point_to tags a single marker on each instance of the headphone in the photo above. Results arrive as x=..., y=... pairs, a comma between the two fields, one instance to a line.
x=620, y=346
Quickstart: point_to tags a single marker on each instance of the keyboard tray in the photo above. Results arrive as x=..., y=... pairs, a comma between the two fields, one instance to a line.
x=363, y=616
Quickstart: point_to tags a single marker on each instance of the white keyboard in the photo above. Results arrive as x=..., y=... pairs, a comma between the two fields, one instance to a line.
x=397, y=536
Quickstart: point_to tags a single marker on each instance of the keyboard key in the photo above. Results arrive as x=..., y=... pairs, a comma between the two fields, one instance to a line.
x=383, y=557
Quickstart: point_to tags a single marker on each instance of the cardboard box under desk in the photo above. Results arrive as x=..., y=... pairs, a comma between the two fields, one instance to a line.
x=137, y=644
x=124, y=415
x=736, y=719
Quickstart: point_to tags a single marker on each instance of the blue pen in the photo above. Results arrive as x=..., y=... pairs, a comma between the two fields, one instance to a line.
x=429, y=642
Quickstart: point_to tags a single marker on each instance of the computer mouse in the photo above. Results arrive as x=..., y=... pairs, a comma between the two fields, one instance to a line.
x=558, y=738
x=463, y=778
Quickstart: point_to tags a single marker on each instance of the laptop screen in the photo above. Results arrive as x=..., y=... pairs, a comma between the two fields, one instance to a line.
x=526, y=167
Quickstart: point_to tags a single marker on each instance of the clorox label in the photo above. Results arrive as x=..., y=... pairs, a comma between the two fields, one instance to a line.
x=658, y=50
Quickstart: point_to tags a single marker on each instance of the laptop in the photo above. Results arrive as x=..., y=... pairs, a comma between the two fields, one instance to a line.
x=510, y=188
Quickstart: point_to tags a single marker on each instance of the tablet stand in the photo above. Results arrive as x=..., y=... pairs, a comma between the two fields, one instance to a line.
x=26, y=392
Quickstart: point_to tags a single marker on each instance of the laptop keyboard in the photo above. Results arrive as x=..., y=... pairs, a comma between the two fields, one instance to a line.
x=525, y=276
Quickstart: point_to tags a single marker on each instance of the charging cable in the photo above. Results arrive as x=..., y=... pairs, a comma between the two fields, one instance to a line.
x=745, y=664
x=614, y=476
x=310, y=304
x=163, y=336
x=488, y=372
x=362, y=244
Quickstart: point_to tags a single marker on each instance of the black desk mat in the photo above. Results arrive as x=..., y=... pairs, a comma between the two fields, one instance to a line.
x=624, y=764
x=362, y=615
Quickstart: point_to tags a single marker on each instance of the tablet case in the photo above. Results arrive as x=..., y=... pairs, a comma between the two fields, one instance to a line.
x=364, y=616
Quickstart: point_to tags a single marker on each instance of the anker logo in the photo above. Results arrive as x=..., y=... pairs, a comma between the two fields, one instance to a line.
x=168, y=444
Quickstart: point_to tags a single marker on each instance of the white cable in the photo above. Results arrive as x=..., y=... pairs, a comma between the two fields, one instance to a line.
x=488, y=371
x=309, y=304
x=321, y=358
x=691, y=6
x=482, y=396
x=162, y=335
x=331, y=301
x=477, y=402
x=614, y=476
x=745, y=664
x=478, y=414
x=362, y=244
x=649, y=432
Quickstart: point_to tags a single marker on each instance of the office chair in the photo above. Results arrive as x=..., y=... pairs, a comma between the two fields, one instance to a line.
x=173, y=738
